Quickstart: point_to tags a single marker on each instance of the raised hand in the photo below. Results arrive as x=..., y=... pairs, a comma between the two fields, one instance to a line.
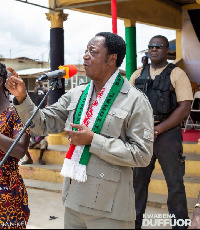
x=16, y=85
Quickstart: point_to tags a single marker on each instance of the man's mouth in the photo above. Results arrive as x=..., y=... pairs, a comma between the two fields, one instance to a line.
x=154, y=55
x=85, y=65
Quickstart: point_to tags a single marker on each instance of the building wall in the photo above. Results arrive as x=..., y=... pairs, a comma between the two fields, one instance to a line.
x=23, y=63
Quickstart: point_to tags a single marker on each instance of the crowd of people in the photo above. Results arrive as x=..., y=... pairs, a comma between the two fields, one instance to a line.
x=116, y=128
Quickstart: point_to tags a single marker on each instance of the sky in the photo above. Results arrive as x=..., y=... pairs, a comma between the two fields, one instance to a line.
x=25, y=32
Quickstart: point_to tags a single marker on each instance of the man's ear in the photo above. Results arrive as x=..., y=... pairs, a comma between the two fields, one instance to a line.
x=168, y=49
x=113, y=59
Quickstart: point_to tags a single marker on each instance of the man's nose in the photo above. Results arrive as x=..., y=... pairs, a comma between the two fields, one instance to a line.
x=154, y=48
x=86, y=55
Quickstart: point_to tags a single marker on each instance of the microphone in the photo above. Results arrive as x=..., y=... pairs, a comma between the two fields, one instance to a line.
x=65, y=71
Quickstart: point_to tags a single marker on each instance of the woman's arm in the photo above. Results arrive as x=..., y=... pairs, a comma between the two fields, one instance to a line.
x=20, y=148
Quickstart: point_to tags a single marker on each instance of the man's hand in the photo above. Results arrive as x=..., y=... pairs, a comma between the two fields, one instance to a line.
x=16, y=86
x=155, y=135
x=156, y=132
x=31, y=145
x=195, y=223
x=82, y=137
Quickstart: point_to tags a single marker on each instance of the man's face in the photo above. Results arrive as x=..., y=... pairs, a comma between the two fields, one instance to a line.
x=96, y=58
x=145, y=61
x=158, y=50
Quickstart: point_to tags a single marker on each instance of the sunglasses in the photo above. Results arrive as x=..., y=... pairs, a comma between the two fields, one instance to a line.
x=157, y=46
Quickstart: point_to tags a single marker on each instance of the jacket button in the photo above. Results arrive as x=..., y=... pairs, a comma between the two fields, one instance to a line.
x=101, y=174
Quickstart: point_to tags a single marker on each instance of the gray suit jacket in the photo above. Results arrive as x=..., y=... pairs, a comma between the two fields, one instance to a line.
x=125, y=141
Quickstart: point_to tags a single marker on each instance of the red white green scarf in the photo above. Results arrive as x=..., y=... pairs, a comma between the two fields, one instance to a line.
x=77, y=157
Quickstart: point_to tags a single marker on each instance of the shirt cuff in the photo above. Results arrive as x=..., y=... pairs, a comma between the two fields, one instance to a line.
x=24, y=105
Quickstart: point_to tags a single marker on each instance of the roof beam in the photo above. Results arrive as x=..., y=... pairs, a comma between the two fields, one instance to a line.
x=89, y=4
x=193, y=6
x=170, y=3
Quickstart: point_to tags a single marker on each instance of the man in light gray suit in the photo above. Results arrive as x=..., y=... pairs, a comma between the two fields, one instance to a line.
x=110, y=126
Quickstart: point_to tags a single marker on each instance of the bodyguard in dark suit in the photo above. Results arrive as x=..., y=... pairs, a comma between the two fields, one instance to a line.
x=170, y=94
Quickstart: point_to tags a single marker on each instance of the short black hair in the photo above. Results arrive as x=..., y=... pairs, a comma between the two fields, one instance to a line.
x=144, y=58
x=3, y=74
x=115, y=45
x=162, y=37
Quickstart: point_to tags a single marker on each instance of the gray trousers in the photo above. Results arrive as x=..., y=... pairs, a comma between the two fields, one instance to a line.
x=76, y=220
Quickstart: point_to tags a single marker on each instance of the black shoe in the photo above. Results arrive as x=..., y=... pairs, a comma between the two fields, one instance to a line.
x=41, y=162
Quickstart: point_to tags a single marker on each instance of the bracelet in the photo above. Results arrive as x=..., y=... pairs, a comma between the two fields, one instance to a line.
x=197, y=205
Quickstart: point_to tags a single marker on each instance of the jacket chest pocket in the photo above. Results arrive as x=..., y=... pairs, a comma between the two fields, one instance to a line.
x=113, y=123
x=70, y=109
x=98, y=192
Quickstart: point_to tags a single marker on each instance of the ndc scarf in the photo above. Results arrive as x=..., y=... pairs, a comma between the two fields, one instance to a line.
x=78, y=157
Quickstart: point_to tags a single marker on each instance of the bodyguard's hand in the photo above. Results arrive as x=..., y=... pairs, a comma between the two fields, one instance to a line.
x=155, y=135
x=195, y=224
x=82, y=137
x=16, y=86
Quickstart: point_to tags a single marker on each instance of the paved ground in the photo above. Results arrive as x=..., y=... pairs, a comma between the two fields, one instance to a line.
x=46, y=204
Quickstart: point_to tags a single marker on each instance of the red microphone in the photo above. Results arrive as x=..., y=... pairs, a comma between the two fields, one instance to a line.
x=65, y=71
x=70, y=70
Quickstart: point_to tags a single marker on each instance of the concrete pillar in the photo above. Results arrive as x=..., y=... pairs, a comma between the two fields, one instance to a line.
x=131, y=51
x=56, y=48
x=56, y=59
x=179, y=55
x=178, y=45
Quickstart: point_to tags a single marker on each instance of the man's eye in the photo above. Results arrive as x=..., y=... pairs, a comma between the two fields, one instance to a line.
x=90, y=52
x=93, y=52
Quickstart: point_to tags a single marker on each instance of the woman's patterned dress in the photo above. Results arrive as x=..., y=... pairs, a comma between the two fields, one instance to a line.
x=14, y=211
